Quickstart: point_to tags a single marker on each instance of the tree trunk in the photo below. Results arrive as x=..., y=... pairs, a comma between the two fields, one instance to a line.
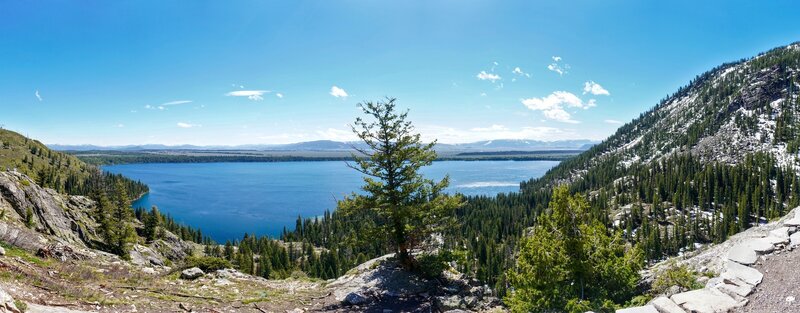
x=402, y=246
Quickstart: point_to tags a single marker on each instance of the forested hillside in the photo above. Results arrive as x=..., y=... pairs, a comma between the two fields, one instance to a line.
x=52, y=169
x=708, y=161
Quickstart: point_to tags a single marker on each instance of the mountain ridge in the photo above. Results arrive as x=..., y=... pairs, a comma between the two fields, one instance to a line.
x=331, y=145
x=700, y=118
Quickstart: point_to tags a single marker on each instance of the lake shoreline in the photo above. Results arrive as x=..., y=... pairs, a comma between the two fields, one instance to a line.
x=227, y=199
x=170, y=156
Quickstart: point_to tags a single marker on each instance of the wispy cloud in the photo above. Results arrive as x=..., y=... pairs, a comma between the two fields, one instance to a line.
x=279, y=95
x=613, y=122
x=483, y=75
x=553, y=106
x=38, y=96
x=337, y=134
x=557, y=66
x=177, y=102
x=120, y=125
x=446, y=134
x=164, y=105
x=518, y=71
x=595, y=89
x=187, y=125
x=254, y=95
x=494, y=127
x=338, y=92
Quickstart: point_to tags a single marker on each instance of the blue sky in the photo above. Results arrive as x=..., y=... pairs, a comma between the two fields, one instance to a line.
x=241, y=72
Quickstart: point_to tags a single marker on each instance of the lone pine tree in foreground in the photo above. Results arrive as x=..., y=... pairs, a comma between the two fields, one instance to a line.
x=404, y=205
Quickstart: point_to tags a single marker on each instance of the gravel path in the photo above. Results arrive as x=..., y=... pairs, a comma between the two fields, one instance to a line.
x=781, y=283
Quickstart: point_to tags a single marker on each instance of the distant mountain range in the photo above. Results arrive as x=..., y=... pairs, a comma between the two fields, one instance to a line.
x=329, y=145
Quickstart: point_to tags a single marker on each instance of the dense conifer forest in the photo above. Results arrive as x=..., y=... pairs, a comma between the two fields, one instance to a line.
x=664, y=206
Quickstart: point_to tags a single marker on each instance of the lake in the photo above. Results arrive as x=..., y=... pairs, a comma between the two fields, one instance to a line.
x=226, y=200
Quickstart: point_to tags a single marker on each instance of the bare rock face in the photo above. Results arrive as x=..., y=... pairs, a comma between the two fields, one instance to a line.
x=61, y=226
x=22, y=237
x=7, y=303
x=172, y=247
x=62, y=216
x=381, y=283
x=142, y=255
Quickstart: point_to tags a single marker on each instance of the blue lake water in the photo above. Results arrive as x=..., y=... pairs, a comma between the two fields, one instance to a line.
x=226, y=200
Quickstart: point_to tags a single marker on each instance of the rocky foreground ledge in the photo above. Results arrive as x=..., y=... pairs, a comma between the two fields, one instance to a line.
x=737, y=261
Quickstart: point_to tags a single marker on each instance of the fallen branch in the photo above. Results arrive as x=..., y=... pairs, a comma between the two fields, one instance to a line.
x=258, y=308
x=68, y=304
x=322, y=297
x=171, y=293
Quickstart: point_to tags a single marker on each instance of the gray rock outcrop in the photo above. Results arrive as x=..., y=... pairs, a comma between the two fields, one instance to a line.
x=192, y=273
x=7, y=303
x=732, y=259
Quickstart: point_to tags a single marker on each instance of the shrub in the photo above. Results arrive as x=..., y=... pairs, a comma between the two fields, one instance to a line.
x=675, y=275
x=207, y=263
x=431, y=265
x=22, y=306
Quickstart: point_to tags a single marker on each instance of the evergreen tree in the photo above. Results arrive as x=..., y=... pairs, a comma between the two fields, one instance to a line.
x=152, y=223
x=403, y=203
x=565, y=252
x=120, y=231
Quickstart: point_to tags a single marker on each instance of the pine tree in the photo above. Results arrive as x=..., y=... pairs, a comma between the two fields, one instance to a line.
x=566, y=251
x=152, y=223
x=404, y=204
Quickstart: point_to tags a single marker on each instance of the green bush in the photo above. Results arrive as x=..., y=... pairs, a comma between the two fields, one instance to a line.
x=22, y=306
x=207, y=263
x=675, y=275
x=431, y=265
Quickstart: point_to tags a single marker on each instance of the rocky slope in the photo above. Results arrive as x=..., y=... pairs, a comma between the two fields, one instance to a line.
x=43, y=221
x=48, y=264
x=750, y=272
x=722, y=115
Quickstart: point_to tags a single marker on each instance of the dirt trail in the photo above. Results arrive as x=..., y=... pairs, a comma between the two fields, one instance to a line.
x=780, y=284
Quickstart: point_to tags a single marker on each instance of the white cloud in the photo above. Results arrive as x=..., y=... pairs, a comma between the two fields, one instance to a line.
x=164, y=105
x=613, y=122
x=177, y=102
x=595, y=89
x=120, y=125
x=279, y=95
x=553, y=105
x=494, y=127
x=557, y=67
x=483, y=75
x=337, y=134
x=254, y=95
x=518, y=71
x=38, y=96
x=455, y=135
x=338, y=92
x=187, y=125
